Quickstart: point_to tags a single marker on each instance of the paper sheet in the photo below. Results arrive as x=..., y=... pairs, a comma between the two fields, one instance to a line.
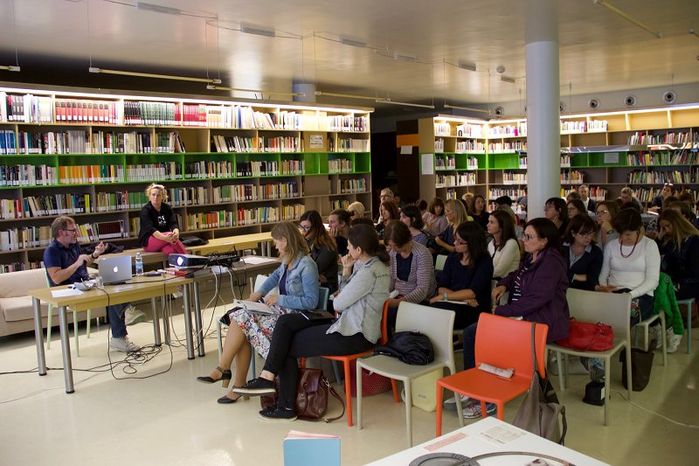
x=65, y=293
x=257, y=260
x=427, y=164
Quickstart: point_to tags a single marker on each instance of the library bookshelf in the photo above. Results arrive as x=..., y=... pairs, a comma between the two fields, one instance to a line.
x=230, y=167
x=642, y=149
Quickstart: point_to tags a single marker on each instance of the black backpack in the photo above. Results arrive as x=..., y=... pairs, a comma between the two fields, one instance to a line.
x=412, y=348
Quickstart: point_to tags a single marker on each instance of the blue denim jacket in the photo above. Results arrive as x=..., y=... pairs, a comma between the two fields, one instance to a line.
x=302, y=284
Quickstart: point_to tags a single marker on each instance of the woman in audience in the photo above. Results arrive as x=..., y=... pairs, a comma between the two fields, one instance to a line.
x=605, y=213
x=556, y=210
x=338, y=228
x=658, y=201
x=412, y=271
x=297, y=280
x=537, y=293
x=435, y=221
x=455, y=212
x=479, y=214
x=583, y=255
x=322, y=247
x=356, y=210
x=685, y=209
x=464, y=284
x=387, y=211
x=410, y=215
x=504, y=247
x=576, y=207
x=363, y=290
x=159, y=231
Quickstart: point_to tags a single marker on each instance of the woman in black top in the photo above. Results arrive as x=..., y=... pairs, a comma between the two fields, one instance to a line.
x=159, y=231
x=322, y=246
x=479, y=214
x=387, y=211
x=584, y=257
x=679, y=248
x=556, y=210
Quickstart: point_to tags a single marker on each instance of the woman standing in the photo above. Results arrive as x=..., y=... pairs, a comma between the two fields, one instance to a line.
x=363, y=290
x=322, y=246
x=410, y=216
x=583, y=255
x=455, y=212
x=504, y=247
x=297, y=279
x=158, y=230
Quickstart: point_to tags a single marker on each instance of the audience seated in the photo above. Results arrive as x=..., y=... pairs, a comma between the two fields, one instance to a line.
x=455, y=212
x=464, y=283
x=356, y=210
x=584, y=257
x=386, y=195
x=410, y=215
x=387, y=211
x=627, y=198
x=588, y=202
x=363, y=290
x=605, y=213
x=323, y=249
x=479, y=213
x=556, y=210
x=575, y=207
x=434, y=219
x=338, y=228
x=504, y=247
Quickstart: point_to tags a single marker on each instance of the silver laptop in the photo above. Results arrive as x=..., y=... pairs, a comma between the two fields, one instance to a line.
x=115, y=270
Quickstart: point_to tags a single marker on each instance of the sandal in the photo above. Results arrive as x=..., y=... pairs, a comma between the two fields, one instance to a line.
x=225, y=377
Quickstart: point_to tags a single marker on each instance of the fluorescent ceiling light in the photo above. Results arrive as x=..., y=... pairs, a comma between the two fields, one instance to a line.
x=257, y=30
x=405, y=104
x=14, y=68
x=404, y=57
x=507, y=79
x=158, y=8
x=469, y=109
x=628, y=18
x=352, y=42
x=138, y=74
x=464, y=65
x=345, y=96
x=212, y=87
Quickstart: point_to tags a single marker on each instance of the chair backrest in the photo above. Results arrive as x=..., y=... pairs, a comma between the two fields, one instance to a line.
x=613, y=309
x=506, y=343
x=259, y=280
x=439, y=262
x=437, y=324
x=323, y=296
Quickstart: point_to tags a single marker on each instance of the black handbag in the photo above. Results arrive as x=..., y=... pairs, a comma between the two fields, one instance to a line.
x=641, y=365
x=412, y=348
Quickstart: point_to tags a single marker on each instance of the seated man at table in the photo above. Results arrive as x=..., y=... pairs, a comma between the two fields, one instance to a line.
x=66, y=264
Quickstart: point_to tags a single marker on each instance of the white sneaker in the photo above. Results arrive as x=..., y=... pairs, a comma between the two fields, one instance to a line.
x=673, y=341
x=123, y=344
x=133, y=315
x=450, y=404
x=655, y=332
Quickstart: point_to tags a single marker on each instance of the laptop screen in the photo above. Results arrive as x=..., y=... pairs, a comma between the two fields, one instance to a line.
x=115, y=269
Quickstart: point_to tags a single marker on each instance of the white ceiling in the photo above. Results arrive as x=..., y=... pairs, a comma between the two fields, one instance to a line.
x=599, y=51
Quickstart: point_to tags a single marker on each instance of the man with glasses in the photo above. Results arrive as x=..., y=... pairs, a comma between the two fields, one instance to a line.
x=66, y=264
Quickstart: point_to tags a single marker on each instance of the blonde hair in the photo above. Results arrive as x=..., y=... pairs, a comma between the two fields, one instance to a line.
x=459, y=211
x=681, y=227
x=296, y=246
x=160, y=188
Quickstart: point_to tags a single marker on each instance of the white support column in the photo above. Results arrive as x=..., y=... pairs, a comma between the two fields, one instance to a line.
x=543, y=113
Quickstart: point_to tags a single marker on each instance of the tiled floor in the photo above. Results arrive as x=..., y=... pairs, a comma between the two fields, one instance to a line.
x=172, y=419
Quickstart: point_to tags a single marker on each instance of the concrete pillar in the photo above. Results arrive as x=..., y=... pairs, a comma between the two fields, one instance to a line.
x=543, y=112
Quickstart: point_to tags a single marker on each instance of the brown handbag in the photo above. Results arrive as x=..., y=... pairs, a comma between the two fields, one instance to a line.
x=311, y=396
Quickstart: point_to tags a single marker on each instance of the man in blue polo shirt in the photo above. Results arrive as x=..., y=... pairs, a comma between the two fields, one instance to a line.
x=65, y=264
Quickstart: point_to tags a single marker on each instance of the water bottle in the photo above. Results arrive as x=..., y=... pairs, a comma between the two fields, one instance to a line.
x=139, y=264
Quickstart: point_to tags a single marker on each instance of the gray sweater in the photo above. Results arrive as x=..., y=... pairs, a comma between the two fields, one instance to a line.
x=360, y=301
x=421, y=283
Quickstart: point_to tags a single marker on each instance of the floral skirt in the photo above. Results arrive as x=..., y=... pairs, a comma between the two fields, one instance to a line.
x=257, y=328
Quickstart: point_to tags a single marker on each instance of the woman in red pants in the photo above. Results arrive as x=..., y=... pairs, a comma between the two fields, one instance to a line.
x=159, y=231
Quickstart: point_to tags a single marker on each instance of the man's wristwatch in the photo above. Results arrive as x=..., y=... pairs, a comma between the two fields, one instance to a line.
x=93, y=256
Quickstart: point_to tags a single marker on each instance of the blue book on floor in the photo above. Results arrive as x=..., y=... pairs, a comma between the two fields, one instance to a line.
x=305, y=449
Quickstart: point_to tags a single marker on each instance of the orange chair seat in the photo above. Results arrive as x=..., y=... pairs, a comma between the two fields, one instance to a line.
x=349, y=357
x=490, y=388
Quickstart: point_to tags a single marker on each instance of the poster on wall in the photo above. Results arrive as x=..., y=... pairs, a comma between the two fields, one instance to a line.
x=427, y=164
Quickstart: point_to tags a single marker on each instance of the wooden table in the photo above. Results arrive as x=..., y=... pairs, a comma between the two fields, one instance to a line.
x=235, y=243
x=138, y=288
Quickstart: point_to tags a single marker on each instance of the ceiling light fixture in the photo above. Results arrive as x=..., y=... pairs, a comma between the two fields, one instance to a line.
x=507, y=79
x=464, y=65
x=14, y=68
x=213, y=87
x=627, y=17
x=352, y=42
x=404, y=57
x=468, y=109
x=138, y=74
x=345, y=96
x=405, y=104
x=257, y=30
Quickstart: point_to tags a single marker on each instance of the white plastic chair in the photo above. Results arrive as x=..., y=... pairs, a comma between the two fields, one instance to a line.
x=438, y=325
x=690, y=304
x=613, y=309
x=644, y=326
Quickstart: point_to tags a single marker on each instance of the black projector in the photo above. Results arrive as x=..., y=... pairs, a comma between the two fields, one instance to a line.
x=186, y=261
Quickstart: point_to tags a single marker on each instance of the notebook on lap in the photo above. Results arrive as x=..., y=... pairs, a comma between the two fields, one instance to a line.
x=115, y=270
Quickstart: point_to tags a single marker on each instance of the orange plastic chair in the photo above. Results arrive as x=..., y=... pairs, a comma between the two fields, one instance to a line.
x=348, y=358
x=500, y=342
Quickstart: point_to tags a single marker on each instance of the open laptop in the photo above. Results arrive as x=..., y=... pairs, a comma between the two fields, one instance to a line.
x=115, y=270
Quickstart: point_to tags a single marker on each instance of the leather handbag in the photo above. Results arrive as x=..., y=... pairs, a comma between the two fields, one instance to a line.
x=540, y=410
x=586, y=336
x=311, y=396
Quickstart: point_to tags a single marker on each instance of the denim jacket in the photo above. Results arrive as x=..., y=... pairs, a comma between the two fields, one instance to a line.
x=301, y=284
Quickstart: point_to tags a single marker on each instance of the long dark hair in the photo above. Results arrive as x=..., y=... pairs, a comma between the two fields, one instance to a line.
x=579, y=224
x=546, y=229
x=365, y=237
x=561, y=208
x=413, y=213
x=392, y=209
x=318, y=234
x=398, y=232
x=474, y=235
x=507, y=227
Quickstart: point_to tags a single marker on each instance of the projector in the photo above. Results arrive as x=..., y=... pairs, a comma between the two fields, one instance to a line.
x=185, y=261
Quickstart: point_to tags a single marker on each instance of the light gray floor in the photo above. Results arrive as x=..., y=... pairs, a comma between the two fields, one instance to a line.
x=172, y=419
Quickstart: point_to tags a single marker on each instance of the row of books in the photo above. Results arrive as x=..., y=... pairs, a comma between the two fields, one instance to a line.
x=101, y=231
x=571, y=177
x=25, y=108
x=516, y=130
x=469, y=130
x=111, y=142
x=52, y=204
x=14, y=239
x=352, y=145
x=509, y=177
x=253, y=215
x=8, y=142
x=151, y=113
x=583, y=126
x=680, y=157
x=348, y=123
x=439, y=145
x=670, y=137
x=54, y=142
x=74, y=174
x=351, y=185
x=689, y=176
x=270, y=168
x=596, y=193
x=209, y=169
x=513, y=193
x=445, y=163
x=213, y=219
x=462, y=179
x=469, y=146
x=154, y=171
x=86, y=111
x=17, y=266
x=119, y=200
x=507, y=146
x=339, y=204
x=336, y=166
x=193, y=195
x=28, y=175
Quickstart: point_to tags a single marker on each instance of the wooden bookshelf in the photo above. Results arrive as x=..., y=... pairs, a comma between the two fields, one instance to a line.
x=642, y=149
x=230, y=167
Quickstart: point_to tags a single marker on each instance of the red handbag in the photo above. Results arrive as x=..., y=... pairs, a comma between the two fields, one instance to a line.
x=372, y=383
x=586, y=336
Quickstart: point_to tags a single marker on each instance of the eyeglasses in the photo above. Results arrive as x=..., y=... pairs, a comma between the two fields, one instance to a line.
x=529, y=237
x=72, y=230
x=304, y=227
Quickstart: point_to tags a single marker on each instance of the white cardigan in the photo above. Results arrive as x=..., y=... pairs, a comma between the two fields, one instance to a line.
x=505, y=260
x=640, y=272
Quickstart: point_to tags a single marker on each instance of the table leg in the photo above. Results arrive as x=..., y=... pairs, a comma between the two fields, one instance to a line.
x=166, y=320
x=156, y=322
x=197, y=319
x=65, y=346
x=39, y=335
x=188, y=323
